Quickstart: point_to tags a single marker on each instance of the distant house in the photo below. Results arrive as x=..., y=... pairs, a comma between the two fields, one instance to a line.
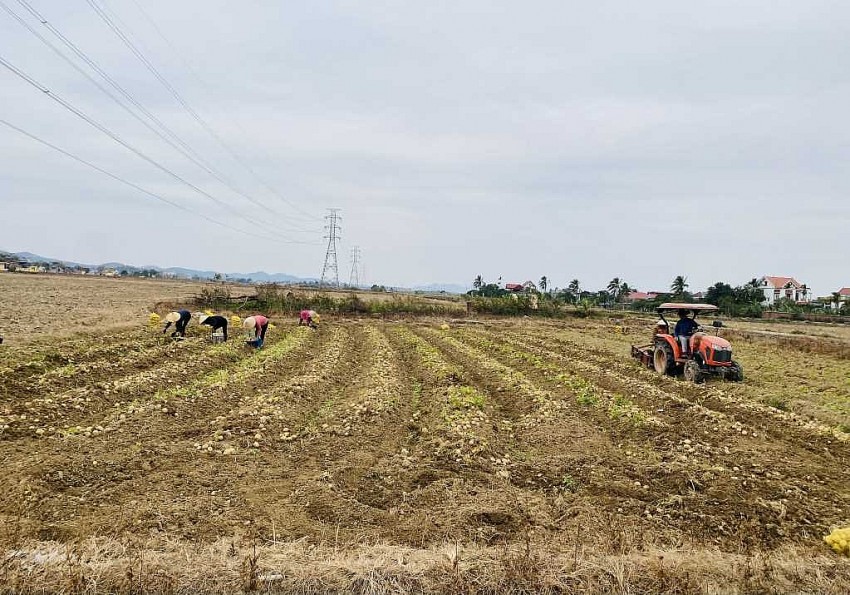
x=776, y=288
x=636, y=296
x=699, y=296
x=4, y=267
x=843, y=298
x=108, y=273
x=527, y=287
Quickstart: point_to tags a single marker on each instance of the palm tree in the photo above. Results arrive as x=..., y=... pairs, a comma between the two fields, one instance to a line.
x=544, y=283
x=574, y=287
x=478, y=283
x=836, y=299
x=680, y=283
x=614, y=288
x=625, y=290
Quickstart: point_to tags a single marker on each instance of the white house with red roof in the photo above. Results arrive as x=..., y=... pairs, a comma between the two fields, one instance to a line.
x=843, y=298
x=527, y=287
x=776, y=288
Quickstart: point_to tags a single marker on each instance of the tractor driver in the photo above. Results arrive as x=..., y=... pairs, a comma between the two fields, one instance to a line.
x=684, y=329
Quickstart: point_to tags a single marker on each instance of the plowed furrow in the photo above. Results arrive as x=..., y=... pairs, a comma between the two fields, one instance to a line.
x=715, y=462
x=130, y=469
x=787, y=427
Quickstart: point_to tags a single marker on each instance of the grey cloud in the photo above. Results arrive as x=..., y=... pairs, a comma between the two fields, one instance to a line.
x=567, y=139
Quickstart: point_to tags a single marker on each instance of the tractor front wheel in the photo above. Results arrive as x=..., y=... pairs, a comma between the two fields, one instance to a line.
x=663, y=360
x=737, y=372
x=693, y=372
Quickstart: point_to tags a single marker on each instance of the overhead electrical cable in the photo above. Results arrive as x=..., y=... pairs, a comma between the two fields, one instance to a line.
x=163, y=131
x=102, y=13
x=126, y=182
x=121, y=142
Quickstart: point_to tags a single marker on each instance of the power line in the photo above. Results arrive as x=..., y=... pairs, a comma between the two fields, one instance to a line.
x=101, y=12
x=331, y=265
x=126, y=182
x=354, y=276
x=120, y=141
x=161, y=129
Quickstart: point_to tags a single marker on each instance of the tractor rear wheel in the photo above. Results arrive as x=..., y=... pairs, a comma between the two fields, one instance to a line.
x=693, y=372
x=736, y=373
x=663, y=360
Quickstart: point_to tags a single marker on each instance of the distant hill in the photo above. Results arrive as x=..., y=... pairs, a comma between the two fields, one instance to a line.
x=447, y=287
x=186, y=273
x=258, y=276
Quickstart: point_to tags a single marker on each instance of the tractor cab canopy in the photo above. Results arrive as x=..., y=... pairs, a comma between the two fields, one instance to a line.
x=675, y=306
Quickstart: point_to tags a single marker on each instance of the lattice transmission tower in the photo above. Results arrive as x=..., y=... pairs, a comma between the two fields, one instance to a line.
x=354, y=276
x=330, y=271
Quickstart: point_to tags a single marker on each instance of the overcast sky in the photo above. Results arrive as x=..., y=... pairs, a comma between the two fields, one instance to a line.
x=517, y=139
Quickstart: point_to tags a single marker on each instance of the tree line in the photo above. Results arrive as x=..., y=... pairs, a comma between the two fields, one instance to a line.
x=742, y=300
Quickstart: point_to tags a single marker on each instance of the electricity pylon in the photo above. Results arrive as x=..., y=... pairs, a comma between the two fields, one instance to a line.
x=331, y=266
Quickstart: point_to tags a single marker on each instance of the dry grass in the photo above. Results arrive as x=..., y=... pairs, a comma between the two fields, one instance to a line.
x=166, y=566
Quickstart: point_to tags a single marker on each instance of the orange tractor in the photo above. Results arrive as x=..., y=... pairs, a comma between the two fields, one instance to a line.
x=705, y=355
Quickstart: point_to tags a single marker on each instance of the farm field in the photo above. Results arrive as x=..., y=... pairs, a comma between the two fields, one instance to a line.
x=381, y=456
x=36, y=306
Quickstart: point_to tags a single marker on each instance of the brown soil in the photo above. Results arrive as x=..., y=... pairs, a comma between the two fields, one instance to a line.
x=378, y=456
x=36, y=306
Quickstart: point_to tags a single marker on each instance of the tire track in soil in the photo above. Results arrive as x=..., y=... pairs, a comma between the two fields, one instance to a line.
x=776, y=500
x=142, y=476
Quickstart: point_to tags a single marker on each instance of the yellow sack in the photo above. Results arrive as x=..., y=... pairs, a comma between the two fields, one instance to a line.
x=839, y=541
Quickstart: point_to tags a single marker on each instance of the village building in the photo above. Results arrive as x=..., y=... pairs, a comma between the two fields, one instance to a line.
x=636, y=296
x=527, y=287
x=843, y=295
x=776, y=288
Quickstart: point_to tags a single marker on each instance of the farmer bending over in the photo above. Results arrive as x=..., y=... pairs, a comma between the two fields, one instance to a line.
x=180, y=320
x=308, y=317
x=684, y=329
x=215, y=323
x=259, y=324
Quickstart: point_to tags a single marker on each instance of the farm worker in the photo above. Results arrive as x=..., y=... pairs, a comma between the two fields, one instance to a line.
x=684, y=329
x=259, y=324
x=180, y=320
x=214, y=322
x=308, y=317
